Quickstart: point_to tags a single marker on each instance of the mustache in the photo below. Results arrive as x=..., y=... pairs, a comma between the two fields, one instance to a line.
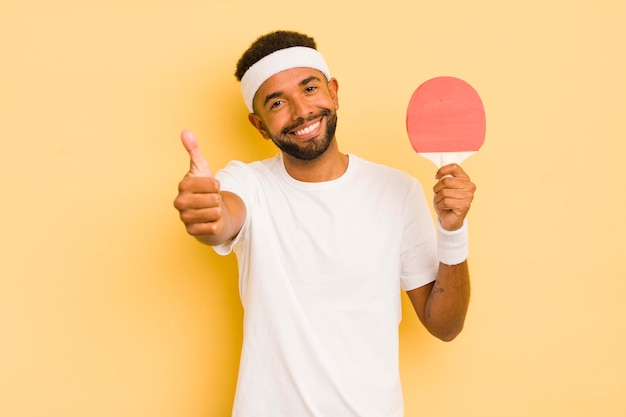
x=301, y=121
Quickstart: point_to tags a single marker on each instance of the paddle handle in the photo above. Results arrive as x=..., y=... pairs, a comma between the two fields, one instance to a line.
x=444, y=158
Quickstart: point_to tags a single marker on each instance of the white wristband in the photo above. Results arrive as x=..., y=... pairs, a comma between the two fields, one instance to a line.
x=452, y=247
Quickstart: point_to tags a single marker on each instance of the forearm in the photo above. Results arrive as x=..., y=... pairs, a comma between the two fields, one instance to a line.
x=448, y=301
x=231, y=216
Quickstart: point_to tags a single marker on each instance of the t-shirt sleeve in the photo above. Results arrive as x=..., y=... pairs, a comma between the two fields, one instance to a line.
x=236, y=178
x=419, y=263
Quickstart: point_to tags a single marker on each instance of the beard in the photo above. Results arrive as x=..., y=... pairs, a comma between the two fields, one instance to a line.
x=311, y=148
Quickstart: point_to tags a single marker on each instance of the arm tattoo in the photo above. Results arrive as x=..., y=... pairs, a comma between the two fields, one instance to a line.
x=437, y=288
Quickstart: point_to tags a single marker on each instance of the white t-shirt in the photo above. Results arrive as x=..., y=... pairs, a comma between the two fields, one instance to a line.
x=321, y=268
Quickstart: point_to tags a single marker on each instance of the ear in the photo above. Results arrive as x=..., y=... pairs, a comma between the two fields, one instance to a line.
x=333, y=88
x=258, y=125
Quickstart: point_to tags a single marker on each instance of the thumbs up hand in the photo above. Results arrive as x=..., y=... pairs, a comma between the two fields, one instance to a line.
x=199, y=201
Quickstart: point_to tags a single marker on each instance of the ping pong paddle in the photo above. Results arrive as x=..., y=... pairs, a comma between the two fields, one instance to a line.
x=445, y=120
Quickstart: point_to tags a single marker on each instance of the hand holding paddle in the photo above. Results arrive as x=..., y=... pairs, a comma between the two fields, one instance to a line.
x=453, y=197
x=445, y=122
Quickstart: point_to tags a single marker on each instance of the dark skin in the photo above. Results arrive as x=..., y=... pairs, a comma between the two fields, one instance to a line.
x=214, y=217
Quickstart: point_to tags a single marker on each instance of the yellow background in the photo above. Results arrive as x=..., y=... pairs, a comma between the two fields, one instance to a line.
x=108, y=308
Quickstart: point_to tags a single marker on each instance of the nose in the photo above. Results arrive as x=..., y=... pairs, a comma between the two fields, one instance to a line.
x=301, y=108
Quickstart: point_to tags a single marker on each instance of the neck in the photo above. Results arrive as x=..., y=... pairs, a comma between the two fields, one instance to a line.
x=329, y=166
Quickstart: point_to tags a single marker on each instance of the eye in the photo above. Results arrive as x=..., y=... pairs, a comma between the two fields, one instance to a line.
x=310, y=88
x=275, y=104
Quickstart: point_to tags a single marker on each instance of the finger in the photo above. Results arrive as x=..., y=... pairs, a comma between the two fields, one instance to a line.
x=197, y=193
x=205, y=215
x=454, y=183
x=198, y=185
x=462, y=191
x=203, y=229
x=198, y=167
x=457, y=203
x=453, y=170
x=197, y=201
x=455, y=200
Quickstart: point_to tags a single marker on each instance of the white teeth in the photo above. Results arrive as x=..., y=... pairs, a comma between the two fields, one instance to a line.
x=307, y=129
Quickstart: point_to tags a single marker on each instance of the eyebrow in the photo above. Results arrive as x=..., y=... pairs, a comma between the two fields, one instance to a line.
x=277, y=94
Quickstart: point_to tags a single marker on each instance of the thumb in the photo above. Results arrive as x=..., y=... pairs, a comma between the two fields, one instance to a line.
x=199, y=167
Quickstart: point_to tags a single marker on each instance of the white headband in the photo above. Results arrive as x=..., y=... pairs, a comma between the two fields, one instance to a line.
x=281, y=60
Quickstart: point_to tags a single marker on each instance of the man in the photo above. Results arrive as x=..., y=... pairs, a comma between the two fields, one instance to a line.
x=325, y=243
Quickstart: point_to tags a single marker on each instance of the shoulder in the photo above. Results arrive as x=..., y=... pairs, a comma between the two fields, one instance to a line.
x=383, y=174
x=242, y=170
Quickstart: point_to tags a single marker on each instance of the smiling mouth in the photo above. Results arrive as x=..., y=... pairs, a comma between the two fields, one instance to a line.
x=307, y=130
